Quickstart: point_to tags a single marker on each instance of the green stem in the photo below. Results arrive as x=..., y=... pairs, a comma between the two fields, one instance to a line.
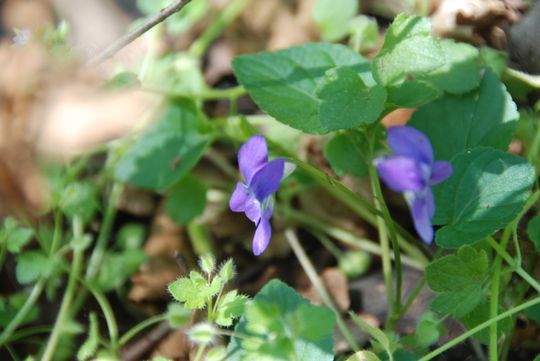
x=201, y=241
x=347, y=237
x=221, y=162
x=535, y=146
x=479, y=328
x=328, y=244
x=494, y=309
x=518, y=269
x=359, y=205
x=531, y=202
x=210, y=308
x=527, y=277
x=224, y=18
x=12, y=353
x=139, y=327
x=108, y=313
x=379, y=199
x=205, y=94
x=60, y=322
x=101, y=244
x=57, y=234
x=515, y=240
x=386, y=269
x=23, y=311
x=216, y=304
x=494, y=302
x=317, y=283
x=19, y=335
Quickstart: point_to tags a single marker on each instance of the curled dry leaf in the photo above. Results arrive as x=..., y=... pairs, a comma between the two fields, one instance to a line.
x=476, y=21
x=170, y=257
x=274, y=24
x=21, y=185
x=292, y=28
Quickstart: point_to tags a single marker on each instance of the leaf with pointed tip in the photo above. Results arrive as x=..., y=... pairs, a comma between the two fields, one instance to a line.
x=485, y=117
x=486, y=191
x=284, y=83
x=408, y=49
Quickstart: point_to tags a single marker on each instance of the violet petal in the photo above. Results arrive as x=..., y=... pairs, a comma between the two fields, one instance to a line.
x=266, y=180
x=401, y=173
x=410, y=142
x=440, y=171
x=422, y=209
x=237, y=203
x=430, y=202
x=252, y=156
x=253, y=209
x=262, y=236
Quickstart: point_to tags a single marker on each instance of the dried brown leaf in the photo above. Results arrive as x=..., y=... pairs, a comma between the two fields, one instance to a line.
x=28, y=14
x=138, y=202
x=336, y=284
x=175, y=346
x=152, y=281
x=77, y=117
x=398, y=117
x=474, y=20
x=21, y=185
x=170, y=257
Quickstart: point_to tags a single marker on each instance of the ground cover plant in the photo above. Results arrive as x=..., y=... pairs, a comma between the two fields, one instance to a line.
x=368, y=192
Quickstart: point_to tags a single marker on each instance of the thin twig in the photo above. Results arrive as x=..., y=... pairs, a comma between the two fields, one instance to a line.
x=163, y=14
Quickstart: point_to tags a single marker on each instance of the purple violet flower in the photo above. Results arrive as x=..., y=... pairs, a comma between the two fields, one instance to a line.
x=413, y=171
x=21, y=37
x=255, y=196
